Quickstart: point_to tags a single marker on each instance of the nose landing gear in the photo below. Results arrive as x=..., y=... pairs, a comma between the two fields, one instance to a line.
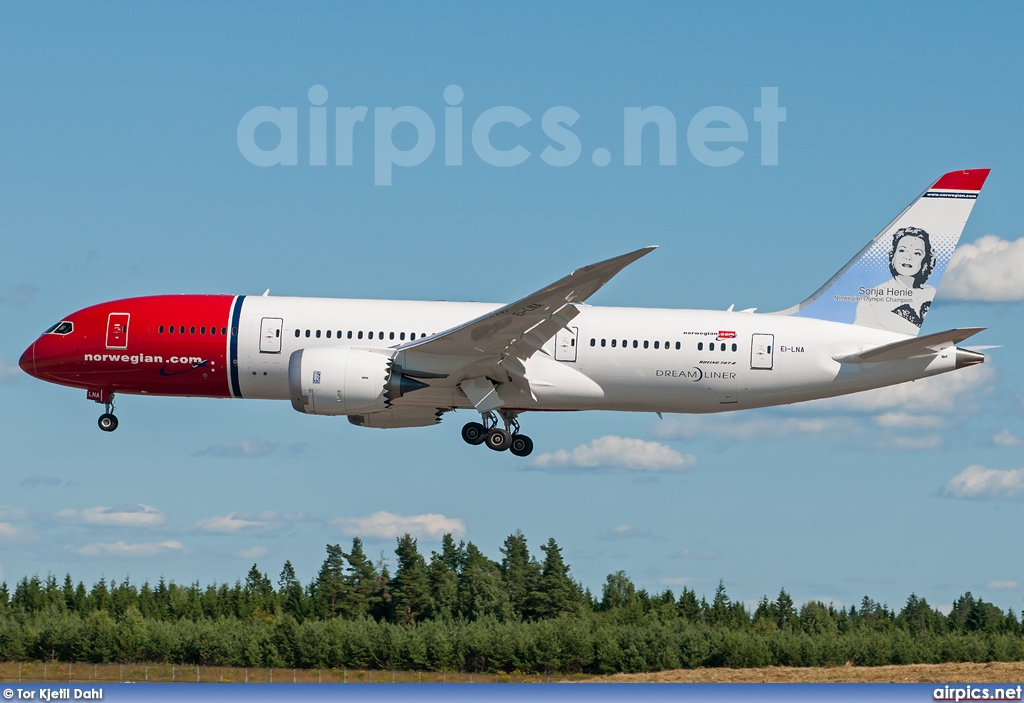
x=108, y=421
x=496, y=438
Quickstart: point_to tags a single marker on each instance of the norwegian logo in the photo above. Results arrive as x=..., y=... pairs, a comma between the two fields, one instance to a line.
x=726, y=334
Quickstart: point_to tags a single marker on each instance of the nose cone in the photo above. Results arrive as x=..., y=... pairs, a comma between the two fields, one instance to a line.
x=28, y=360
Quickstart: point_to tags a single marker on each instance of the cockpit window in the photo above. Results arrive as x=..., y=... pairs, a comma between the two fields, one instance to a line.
x=63, y=327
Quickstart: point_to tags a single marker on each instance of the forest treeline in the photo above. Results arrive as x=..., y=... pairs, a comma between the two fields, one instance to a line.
x=462, y=611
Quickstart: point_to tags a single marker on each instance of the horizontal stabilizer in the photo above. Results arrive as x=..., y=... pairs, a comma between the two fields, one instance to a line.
x=908, y=348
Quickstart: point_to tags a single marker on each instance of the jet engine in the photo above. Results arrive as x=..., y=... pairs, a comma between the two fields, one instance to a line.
x=345, y=381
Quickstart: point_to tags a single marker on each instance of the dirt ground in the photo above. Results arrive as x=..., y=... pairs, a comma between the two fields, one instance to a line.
x=995, y=672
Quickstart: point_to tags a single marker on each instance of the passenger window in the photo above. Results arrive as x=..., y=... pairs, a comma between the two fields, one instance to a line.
x=700, y=346
x=339, y=334
x=391, y=335
x=602, y=342
x=656, y=345
x=161, y=328
x=224, y=331
x=170, y=330
x=593, y=342
x=192, y=329
x=297, y=333
x=328, y=334
x=234, y=331
x=181, y=329
x=613, y=342
x=360, y=335
x=318, y=334
x=213, y=331
x=202, y=330
x=307, y=334
x=645, y=344
x=350, y=334
x=401, y=337
x=625, y=343
x=380, y=335
x=678, y=345
x=734, y=347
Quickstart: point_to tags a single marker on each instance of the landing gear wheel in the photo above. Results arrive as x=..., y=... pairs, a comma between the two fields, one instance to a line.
x=498, y=440
x=108, y=422
x=474, y=433
x=521, y=445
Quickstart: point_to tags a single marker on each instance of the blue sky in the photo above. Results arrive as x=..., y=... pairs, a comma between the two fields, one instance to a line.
x=121, y=175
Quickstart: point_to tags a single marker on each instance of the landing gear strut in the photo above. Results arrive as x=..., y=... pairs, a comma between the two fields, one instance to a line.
x=108, y=421
x=496, y=438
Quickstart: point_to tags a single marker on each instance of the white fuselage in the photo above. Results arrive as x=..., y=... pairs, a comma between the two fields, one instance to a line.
x=636, y=359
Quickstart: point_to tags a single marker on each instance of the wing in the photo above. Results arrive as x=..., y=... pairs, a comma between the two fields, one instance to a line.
x=493, y=349
x=523, y=326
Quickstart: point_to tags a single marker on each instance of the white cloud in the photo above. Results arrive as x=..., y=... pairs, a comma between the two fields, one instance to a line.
x=616, y=454
x=241, y=449
x=931, y=441
x=384, y=524
x=252, y=553
x=1005, y=438
x=701, y=554
x=123, y=549
x=985, y=484
x=987, y=270
x=7, y=513
x=623, y=531
x=245, y=522
x=750, y=427
x=903, y=420
x=1003, y=585
x=9, y=370
x=935, y=394
x=11, y=534
x=137, y=515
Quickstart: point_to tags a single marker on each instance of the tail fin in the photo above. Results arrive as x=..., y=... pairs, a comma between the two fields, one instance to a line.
x=890, y=284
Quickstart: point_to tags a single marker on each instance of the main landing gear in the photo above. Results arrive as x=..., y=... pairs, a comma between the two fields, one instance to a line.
x=108, y=421
x=496, y=438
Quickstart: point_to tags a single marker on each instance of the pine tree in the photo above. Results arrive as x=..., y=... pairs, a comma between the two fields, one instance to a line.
x=362, y=583
x=556, y=593
x=410, y=589
x=443, y=573
x=329, y=584
x=289, y=592
x=520, y=573
x=481, y=590
x=259, y=592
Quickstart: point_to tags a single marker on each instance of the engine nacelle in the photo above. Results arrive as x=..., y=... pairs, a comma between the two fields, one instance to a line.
x=338, y=380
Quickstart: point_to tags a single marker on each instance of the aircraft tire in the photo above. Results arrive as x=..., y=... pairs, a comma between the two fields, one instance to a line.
x=107, y=422
x=474, y=433
x=498, y=440
x=521, y=445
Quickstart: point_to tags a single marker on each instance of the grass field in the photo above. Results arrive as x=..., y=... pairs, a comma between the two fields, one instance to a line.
x=995, y=672
x=27, y=672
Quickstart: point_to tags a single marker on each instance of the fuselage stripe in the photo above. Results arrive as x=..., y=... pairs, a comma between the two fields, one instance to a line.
x=236, y=314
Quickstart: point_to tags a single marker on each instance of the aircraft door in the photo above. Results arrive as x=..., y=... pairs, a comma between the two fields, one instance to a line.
x=117, y=330
x=762, y=347
x=270, y=335
x=565, y=344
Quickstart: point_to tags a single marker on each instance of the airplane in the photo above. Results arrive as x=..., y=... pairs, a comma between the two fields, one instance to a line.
x=405, y=363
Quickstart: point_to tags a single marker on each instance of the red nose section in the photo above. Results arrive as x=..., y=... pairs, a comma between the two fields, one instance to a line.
x=28, y=360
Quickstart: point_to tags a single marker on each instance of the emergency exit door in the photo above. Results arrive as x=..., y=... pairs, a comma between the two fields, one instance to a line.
x=762, y=348
x=270, y=335
x=117, y=330
x=565, y=344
